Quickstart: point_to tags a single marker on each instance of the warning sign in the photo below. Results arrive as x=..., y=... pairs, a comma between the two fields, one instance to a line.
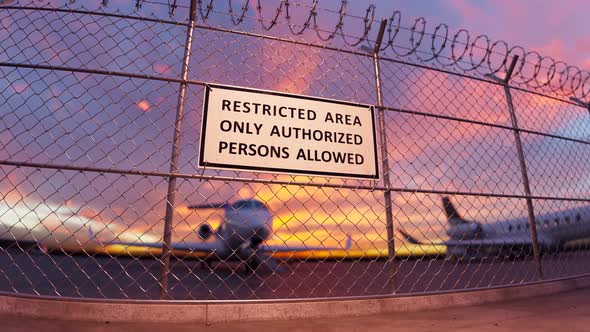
x=278, y=132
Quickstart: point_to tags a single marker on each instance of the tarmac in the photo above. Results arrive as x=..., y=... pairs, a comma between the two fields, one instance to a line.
x=568, y=311
x=128, y=278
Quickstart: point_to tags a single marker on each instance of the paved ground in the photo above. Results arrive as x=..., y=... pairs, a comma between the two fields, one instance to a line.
x=563, y=312
x=124, y=277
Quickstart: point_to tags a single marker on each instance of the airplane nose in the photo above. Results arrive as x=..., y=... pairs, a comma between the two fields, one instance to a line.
x=260, y=234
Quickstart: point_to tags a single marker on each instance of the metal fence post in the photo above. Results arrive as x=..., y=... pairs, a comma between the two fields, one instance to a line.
x=523, y=169
x=171, y=194
x=385, y=162
x=581, y=103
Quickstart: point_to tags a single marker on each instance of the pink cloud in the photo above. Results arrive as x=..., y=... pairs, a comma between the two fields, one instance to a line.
x=583, y=45
x=467, y=9
x=20, y=87
x=554, y=48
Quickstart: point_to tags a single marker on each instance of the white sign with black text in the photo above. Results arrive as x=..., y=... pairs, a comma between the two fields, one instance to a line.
x=258, y=130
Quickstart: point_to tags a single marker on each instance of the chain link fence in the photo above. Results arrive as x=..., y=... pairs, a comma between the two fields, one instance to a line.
x=482, y=148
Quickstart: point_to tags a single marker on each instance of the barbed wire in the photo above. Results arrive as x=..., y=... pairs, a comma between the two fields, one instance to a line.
x=433, y=44
x=463, y=51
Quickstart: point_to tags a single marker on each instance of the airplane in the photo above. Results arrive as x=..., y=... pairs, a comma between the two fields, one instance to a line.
x=240, y=237
x=472, y=240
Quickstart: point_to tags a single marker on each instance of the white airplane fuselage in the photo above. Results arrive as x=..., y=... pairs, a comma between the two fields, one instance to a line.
x=553, y=231
x=241, y=237
x=242, y=232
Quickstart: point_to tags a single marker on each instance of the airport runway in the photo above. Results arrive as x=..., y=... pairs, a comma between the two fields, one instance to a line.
x=137, y=278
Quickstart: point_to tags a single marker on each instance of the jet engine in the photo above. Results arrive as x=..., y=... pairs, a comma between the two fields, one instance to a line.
x=466, y=231
x=205, y=231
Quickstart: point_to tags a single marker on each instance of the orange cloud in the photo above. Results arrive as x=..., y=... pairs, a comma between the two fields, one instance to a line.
x=162, y=68
x=144, y=105
x=293, y=71
x=554, y=48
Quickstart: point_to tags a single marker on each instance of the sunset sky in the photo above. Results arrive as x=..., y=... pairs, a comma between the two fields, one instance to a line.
x=113, y=122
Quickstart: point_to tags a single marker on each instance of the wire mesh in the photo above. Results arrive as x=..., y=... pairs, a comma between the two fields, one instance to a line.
x=99, y=150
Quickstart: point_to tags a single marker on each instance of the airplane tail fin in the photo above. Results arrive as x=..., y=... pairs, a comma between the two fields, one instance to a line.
x=453, y=217
x=91, y=234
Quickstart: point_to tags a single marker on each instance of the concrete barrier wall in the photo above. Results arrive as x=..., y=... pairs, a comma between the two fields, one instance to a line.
x=226, y=311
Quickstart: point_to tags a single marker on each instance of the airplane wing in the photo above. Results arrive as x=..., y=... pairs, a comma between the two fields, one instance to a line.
x=469, y=242
x=189, y=246
x=283, y=248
